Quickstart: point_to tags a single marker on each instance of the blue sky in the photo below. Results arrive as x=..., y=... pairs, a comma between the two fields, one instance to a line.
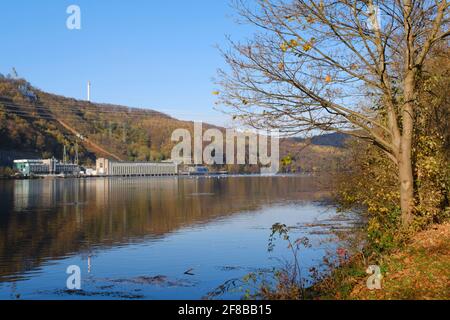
x=158, y=54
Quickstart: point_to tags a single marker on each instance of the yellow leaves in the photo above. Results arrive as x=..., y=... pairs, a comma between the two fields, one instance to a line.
x=290, y=18
x=307, y=47
x=293, y=43
x=328, y=79
x=310, y=19
x=287, y=161
x=216, y=93
x=321, y=6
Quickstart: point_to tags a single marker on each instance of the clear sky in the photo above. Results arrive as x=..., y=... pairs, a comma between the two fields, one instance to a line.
x=157, y=54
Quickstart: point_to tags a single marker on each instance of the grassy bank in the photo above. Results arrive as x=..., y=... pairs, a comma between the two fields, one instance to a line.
x=418, y=270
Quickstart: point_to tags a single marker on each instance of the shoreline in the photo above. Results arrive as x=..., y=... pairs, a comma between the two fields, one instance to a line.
x=35, y=177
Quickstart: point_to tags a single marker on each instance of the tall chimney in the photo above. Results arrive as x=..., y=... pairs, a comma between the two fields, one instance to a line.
x=89, y=91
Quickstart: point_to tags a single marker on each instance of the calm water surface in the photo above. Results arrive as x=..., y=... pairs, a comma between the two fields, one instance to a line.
x=136, y=237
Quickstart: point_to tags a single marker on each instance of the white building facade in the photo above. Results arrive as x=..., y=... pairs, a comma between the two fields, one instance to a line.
x=106, y=167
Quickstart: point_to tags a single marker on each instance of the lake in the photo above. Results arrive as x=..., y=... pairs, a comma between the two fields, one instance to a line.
x=136, y=238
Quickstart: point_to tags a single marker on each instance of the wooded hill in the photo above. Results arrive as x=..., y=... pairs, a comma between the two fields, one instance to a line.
x=36, y=124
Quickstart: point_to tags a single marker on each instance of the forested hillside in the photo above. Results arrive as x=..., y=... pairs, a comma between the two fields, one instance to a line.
x=38, y=124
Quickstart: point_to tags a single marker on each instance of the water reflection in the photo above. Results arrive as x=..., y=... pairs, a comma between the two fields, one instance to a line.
x=41, y=220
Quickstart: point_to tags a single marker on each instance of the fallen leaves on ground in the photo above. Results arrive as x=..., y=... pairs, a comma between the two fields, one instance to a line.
x=419, y=271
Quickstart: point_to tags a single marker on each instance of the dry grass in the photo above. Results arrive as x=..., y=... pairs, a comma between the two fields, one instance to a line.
x=419, y=271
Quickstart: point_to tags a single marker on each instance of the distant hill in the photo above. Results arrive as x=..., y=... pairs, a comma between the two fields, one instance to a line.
x=332, y=140
x=35, y=124
x=337, y=140
x=34, y=121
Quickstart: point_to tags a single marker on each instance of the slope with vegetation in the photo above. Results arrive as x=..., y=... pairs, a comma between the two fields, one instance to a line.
x=39, y=124
x=48, y=122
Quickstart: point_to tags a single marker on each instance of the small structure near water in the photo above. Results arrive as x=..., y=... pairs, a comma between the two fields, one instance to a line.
x=197, y=170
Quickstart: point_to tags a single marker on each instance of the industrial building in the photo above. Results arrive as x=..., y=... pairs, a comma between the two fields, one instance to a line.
x=29, y=167
x=106, y=167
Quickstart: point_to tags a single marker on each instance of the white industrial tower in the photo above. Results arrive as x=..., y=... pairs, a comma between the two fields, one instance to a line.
x=89, y=91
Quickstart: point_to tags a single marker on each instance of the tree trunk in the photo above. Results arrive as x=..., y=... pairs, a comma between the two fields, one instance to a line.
x=406, y=187
x=405, y=157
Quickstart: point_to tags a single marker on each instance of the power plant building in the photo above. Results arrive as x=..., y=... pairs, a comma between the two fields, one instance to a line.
x=29, y=167
x=108, y=167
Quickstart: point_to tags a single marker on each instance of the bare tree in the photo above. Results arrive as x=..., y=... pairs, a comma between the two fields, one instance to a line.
x=336, y=65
